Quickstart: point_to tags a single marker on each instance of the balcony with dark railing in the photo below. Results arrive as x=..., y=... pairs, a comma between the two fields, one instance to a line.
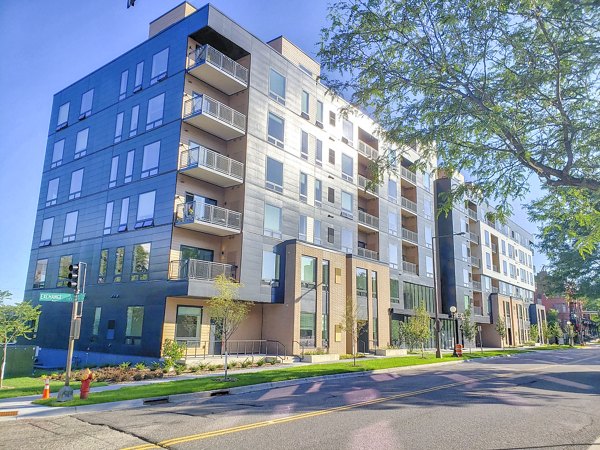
x=213, y=67
x=367, y=220
x=410, y=236
x=212, y=116
x=195, y=269
x=366, y=150
x=410, y=268
x=207, y=165
x=211, y=219
x=369, y=188
x=366, y=253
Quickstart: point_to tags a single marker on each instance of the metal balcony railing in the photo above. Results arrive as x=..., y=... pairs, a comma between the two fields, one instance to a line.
x=367, y=185
x=410, y=235
x=366, y=253
x=195, y=269
x=366, y=150
x=203, y=104
x=409, y=267
x=214, y=57
x=409, y=205
x=368, y=219
x=476, y=286
x=474, y=261
x=408, y=175
x=205, y=157
x=478, y=310
x=202, y=212
x=472, y=214
x=473, y=237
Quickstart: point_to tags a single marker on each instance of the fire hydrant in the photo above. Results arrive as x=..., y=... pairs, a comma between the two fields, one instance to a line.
x=86, y=380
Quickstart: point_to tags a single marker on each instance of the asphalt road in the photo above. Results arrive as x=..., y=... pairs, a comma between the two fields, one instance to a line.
x=543, y=400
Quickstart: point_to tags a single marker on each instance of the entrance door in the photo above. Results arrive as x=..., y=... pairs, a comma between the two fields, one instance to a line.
x=363, y=336
x=215, y=345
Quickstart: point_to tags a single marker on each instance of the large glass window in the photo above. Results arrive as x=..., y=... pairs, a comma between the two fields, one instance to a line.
x=325, y=304
x=427, y=181
x=151, y=158
x=46, y=236
x=317, y=232
x=154, y=117
x=277, y=86
x=114, y=167
x=304, y=145
x=63, y=116
x=86, y=104
x=393, y=255
x=415, y=295
x=318, y=192
x=347, y=240
x=347, y=131
x=270, y=268
x=103, y=265
x=276, y=130
x=394, y=290
x=123, y=86
x=145, y=212
x=428, y=237
x=305, y=104
x=332, y=157
x=81, y=143
x=135, y=321
x=303, y=187
x=108, y=217
x=57, y=153
x=129, y=166
x=392, y=191
x=347, y=199
x=63, y=270
x=70, y=226
x=330, y=235
x=302, y=227
x=331, y=195
x=488, y=261
x=429, y=266
x=141, y=262
x=274, y=177
x=119, y=258
x=361, y=287
x=188, y=322
x=319, y=152
x=52, y=193
x=119, y=127
x=272, y=224
x=76, y=182
x=96, y=325
x=393, y=223
x=320, y=113
x=427, y=209
x=135, y=112
x=308, y=271
x=159, y=66
x=347, y=167
x=39, y=276
x=123, y=218
x=139, y=72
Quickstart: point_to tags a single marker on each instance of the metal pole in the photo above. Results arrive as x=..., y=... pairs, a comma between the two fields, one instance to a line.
x=71, y=338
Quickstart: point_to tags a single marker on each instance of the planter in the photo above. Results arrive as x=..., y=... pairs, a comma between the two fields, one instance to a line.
x=391, y=352
x=321, y=358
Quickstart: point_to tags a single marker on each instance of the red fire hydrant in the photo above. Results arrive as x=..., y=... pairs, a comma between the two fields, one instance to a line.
x=86, y=380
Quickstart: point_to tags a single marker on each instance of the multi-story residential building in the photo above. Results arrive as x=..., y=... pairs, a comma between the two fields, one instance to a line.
x=205, y=151
x=487, y=266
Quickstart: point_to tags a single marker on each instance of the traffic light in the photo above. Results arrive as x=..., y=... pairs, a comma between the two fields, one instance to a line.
x=73, y=276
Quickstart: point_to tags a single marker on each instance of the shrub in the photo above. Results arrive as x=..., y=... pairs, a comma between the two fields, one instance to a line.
x=245, y=364
x=172, y=352
x=211, y=368
x=154, y=365
x=260, y=362
x=140, y=366
x=179, y=368
x=124, y=365
x=138, y=377
x=317, y=351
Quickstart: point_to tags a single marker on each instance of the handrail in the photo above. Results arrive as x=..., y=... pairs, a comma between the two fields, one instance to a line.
x=204, y=212
x=209, y=54
x=474, y=261
x=408, y=204
x=368, y=219
x=473, y=237
x=367, y=185
x=201, y=156
x=194, y=269
x=409, y=267
x=408, y=175
x=237, y=347
x=366, y=150
x=410, y=235
x=203, y=104
x=366, y=253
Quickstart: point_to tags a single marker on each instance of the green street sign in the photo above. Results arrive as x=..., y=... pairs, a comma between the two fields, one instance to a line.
x=59, y=297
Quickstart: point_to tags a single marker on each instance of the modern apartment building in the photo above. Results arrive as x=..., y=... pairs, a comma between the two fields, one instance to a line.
x=205, y=151
x=486, y=266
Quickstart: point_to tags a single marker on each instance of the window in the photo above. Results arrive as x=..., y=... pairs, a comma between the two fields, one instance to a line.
x=393, y=223
x=428, y=237
x=318, y=192
x=52, y=194
x=150, y=161
x=488, y=261
x=145, y=212
x=274, y=176
x=303, y=187
x=347, y=240
x=511, y=251
x=305, y=104
x=487, y=237
x=276, y=128
x=332, y=118
x=39, y=276
x=332, y=157
x=270, y=269
x=119, y=257
x=139, y=72
x=188, y=322
x=317, y=232
x=86, y=104
x=123, y=87
x=81, y=143
x=119, y=127
x=102, y=266
x=63, y=116
x=135, y=321
x=154, y=118
x=393, y=255
x=124, y=214
x=46, y=236
x=347, y=168
x=503, y=245
x=319, y=153
x=304, y=145
x=466, y=277
x=76, y=182
x=308, y=271
x=429, y=266
x=394, y=290
x=330, y=235
x=347, y=132
x=110, y=330
x=272, y=223
x=96, y=325
x=427, y=209
x=302, y=228
x=392, y=191
x=135, y=112
x=512, y=271
x=129, y=166
x=319, y=114
x=63, y=270
x=108, y=215
x=331, y=195
x=347, y=204
x=427, y=181
x=70, y=226
x=141, y=262
x=277, y=86
x=159, y=66
x=465, y=252
x=114, y=168
x=57, y=153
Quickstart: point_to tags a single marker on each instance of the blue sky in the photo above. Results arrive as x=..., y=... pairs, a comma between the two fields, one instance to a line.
x=47, y=45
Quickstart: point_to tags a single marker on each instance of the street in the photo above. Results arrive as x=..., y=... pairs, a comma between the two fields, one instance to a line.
x=546, y=399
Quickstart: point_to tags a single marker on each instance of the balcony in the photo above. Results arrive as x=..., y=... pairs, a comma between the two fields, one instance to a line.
x=410, y=236
x=473, y=237
x=494, y=248
x=213, y=67
x=476, y=286
x=207, y=165
x=368, y=220
x=408, y=205
x=214, y=117
x=207, y=218
x=495, y=269
x=366, y=150
x=472, y=214
x=366, y=253
x=408, y=175
x=474, y=261
x=194, y=269
x=368, y=186
x=408, y=267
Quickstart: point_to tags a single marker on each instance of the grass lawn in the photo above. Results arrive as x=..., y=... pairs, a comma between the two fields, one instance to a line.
x=22, y=386
x=266, y=376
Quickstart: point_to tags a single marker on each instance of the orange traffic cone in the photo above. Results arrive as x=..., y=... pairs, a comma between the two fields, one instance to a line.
x=46, y=393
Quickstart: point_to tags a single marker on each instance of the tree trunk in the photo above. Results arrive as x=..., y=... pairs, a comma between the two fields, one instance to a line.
x=4, y=352
x=422, y=350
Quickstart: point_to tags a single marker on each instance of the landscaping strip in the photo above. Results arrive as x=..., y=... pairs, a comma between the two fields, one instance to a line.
x=24, y=386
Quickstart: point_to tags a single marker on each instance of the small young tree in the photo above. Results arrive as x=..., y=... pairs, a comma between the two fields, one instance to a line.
x=229, y=311
x=555, y=332
x=15, y=321
x=534, y=333
x=501, y=330
x=351, y=325
x=469, y=328
x=545, y=333
x=418, y=327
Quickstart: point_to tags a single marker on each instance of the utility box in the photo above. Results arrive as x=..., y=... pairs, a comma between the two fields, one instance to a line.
x=19, y=361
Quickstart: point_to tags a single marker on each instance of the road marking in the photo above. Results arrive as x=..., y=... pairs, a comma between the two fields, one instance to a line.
x=595, y=444
x=251, y=426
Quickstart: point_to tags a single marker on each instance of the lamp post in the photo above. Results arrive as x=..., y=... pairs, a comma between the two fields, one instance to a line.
x=436, y=292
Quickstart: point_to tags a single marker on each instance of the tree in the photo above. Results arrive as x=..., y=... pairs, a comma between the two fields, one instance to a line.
x=545, y=333
x=15, y=321
x=351, y=324
x=4, y=295
x=469, y=328
x=534, y=333
x=552, y=316
x=501, y=89
x=554, y=331
x=230, y=312
x=418, y=328
x=501, y=330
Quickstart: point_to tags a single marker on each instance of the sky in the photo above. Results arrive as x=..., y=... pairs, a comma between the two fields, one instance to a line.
x=47, y=45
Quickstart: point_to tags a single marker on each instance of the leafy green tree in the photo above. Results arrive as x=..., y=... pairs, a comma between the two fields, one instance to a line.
x=15, y=321
x=555, y=332
x=351, y=324
x=230, y=312
x=545, y=333
x=501, y=89
x=418, y=327
x=501, y=330
x=469, y=328
x=552, y=316
x=534, y=333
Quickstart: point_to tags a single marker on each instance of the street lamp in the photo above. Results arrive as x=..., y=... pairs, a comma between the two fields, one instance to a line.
x=455, y=316
x=436, y=293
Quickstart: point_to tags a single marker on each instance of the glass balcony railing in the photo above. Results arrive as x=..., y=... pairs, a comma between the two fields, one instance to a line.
x=194, y=269
x=200, y=156
x=410, y=236
x=368, y=220
x=203, y=213
x=205, y=105
x=208, y=54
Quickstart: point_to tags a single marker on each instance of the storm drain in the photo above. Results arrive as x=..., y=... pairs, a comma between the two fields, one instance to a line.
x=219, y=393
x=156, y=401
